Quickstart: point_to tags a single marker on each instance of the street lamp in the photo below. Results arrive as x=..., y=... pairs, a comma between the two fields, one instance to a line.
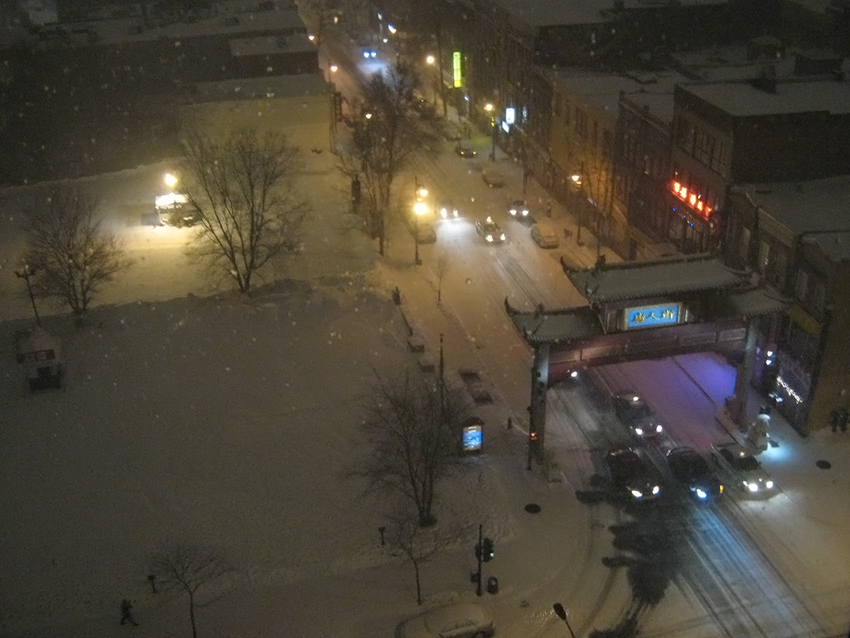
x=490, y=109
x=25, y=272
x=562, y=614
x=419, y=208
x=170, y=180
x=333, y=69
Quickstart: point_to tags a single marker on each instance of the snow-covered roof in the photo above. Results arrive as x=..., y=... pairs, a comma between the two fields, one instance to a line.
x=819, y=210
x=278, y=86
x=133, y=29
x=264, y=44
x=748, y=303
x=545, y=13
x=644, y=280
x=742, y=99
x=602, y=89
x=565, y=325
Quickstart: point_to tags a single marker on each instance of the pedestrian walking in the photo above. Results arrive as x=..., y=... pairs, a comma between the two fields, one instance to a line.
x=127, y=613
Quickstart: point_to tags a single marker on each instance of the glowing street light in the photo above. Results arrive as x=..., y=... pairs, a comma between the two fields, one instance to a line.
x=490, y=110
x=430, y=59
x=170, y=180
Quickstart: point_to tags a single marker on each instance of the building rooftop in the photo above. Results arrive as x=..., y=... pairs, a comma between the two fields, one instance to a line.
x=280, y=86
x=742, y=99
x=817, y=209
x=645, y=280
x=265, y=44
x=548, y=13
x=602, y=89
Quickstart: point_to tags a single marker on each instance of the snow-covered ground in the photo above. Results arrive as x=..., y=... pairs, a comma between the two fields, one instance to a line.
x=230, y=422
x=195, y=414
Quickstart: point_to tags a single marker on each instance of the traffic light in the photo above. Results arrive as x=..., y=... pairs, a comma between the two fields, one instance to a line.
x=487, y=549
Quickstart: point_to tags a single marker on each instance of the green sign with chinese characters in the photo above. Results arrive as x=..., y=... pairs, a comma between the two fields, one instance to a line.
x=457, y=77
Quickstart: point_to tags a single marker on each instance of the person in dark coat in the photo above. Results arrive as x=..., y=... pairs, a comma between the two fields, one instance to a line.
x=127, y=613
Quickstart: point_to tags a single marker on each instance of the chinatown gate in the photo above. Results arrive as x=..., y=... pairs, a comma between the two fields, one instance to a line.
x=651, y=309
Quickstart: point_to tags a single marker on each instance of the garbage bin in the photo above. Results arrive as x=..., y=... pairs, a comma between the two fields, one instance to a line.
x=492, y=585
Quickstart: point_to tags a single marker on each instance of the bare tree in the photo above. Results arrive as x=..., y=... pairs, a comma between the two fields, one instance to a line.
x=387, y=134
x=69, y=253
x=412, y=426
x=443, y=267
x=188, y=567
x=418, y=544
x=249, y=209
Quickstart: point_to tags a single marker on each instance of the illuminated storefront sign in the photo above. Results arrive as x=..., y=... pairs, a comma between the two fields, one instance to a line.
x=787, y=389
x=457, y=78
x=692, y=199
x=510, y=115
x=473, y=436
x=652, y=316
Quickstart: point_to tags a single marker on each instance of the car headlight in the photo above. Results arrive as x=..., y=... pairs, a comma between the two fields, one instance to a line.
x=639, y=431
x=753, y=487
x=701, y=493
x=524, y=213
x=769, y=485
x=656, y=489
x=658, y=429
x=502, y=237
x=489, y=238
x=637, y=493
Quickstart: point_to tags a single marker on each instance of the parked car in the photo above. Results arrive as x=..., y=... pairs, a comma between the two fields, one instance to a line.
x=493, y=178
x=632, y=473
x=544, y=235
x=464, y=149
x=490, y=231
x=742, y=468
x=460, y=620
x=636, y=415
x=425, y=233
x=692, y=471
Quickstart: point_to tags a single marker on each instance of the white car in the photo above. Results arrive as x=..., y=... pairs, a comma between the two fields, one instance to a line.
x=461, y=620
x=544, y=235
x=743, y=469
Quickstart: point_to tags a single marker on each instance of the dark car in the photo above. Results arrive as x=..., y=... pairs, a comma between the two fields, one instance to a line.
x=464, y=149
x=690, y=469
x=490, y=231
x=519, y=209
x=636, y=415
x=633, y=474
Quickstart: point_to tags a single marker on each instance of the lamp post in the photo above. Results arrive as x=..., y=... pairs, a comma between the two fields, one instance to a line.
x=490, y=111
x=419, y=209
x=430, y=60
x=25, y=272
x=562, y=614
x=332, y=68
